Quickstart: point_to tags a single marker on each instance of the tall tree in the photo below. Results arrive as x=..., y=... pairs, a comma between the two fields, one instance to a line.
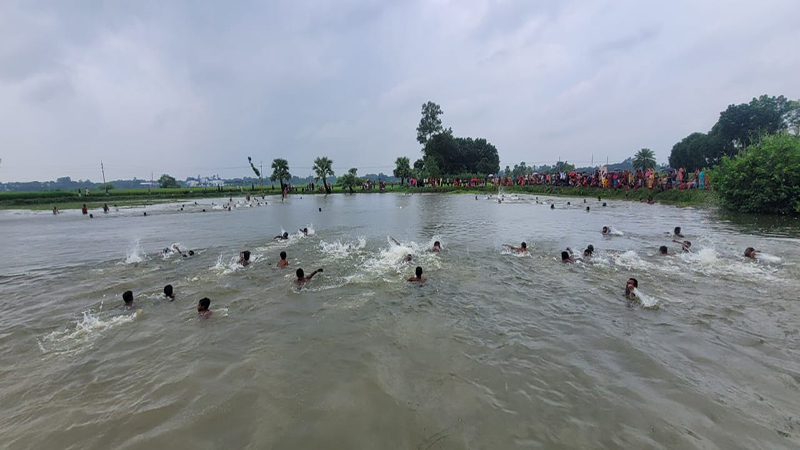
x=280, y=171
x=167, y=181
x=741, y=125
x=692, y=151
x=430, y=123
x=349, y=180
x=644, y=159
x=402, y=168
x=419, y=167
x=323, y=167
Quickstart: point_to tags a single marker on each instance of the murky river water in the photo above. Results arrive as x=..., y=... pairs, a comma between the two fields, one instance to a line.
x=495, y=351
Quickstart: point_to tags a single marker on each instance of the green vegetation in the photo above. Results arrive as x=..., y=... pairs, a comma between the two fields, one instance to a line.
x=446, y=155
x=738, y=127
x=167, y=181
x=402, y=169
x=349, y=180
x=280, y=171
x=323, y=168
x=764, y=178
x=644, y=159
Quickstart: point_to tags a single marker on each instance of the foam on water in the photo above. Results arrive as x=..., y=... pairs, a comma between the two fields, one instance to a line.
x=90, y=327
x=135, y=253
x=708, y=261
x=766, y=257
x=646, y=300
x=339, y=249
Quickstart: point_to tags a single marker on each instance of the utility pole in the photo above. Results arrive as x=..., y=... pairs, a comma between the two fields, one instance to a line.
x=102, y=169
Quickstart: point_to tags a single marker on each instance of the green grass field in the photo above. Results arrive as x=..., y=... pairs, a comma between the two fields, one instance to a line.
x=133, y=197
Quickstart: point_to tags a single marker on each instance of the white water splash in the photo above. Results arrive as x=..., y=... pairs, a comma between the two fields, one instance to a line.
x=89, y=328
x=339, y=249
x=646, y=300
x=135, y=253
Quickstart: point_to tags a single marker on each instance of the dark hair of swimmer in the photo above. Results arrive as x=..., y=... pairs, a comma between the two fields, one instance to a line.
x=677, y=230
x=191, y=252
x=437, y=244
x=286, y=235
x=564, y=256
x=203, y=304
x=552, y=206
x=605, y=229
x=663, y=250
x=590, y=247
x=91, y=216
x=283, y=255
x=587, y=209
x=418, y=271
x=300, y=274
x=687, y=244
x=246, y=255
x=127, y=296
x=168, y=291
x=145, y=213
x=749, y=252
x=635, y=282
x=524, y=245
x=604, y=203
x=568, y=204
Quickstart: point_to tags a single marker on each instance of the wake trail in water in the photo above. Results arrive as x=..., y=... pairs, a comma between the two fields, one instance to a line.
x=135, y=254
x=85, y=331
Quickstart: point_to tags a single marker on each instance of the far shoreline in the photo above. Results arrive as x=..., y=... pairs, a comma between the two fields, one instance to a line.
x=45, y=200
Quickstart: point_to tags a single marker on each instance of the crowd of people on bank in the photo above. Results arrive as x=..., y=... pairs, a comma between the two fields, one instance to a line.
x=619, y=179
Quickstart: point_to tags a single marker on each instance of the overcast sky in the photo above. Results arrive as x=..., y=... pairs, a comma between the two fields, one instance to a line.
x=193, y=87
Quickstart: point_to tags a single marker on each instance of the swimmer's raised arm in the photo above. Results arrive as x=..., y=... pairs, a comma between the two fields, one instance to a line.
x=394, y=240
x=310, y=276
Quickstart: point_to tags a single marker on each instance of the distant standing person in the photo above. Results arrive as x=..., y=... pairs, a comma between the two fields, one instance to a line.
x=55, y=210
x=85, y=210
x=283, y=262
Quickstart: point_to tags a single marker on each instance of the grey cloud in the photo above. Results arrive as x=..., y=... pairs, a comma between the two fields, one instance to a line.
x=190, y=87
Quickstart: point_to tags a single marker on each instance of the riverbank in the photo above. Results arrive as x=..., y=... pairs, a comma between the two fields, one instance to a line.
x=45, y=200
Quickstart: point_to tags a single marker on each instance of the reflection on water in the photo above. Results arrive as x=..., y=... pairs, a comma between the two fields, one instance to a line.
x=496, y=350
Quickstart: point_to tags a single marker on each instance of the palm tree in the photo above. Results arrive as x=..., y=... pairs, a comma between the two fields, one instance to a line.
x=402, y=169
x=644, y=159
x=323, y=168
x=280, y=171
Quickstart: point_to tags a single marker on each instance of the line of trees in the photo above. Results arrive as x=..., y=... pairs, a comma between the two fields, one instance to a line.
x=738, y=127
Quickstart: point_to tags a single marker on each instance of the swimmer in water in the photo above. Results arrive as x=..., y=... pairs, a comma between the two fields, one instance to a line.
x=304, y=231
x=437, y=247
x=418, y=278
x=663, y=250
x=587, y=209
x=302, y=279
x=632, y=284
x=84, y=210
x=607, y=231
x=281, y=237
x=409, y=257
x=552, y=206
x=188, y=254
x=283, y=262
x=127, y=297
x=685, y=245
x=244, y=258
x=566, y=256
x=202, y=308
x=55, y=210
x=588, y=252
x=168, y=292
x=521, y=249
x=677, y=232
x=751, y=253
